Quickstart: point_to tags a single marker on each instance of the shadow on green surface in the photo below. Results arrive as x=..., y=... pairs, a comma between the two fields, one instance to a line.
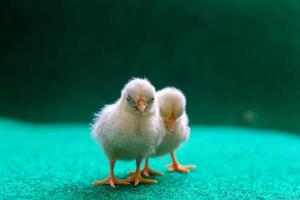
x=163, y=189
x=60, y=161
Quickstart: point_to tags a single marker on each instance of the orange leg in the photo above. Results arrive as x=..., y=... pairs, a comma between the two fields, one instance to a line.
x=175, y=166
x=111, y=179
x=147, y=171
x=137, y=178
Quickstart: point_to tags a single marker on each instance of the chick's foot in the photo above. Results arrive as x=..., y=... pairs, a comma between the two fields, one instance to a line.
x=112, y=181
x=137, y=178
x=176, y=167
x=148, y=172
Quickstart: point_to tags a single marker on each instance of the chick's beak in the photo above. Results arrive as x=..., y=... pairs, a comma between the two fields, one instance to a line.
x=170, y=120
x=141, y=105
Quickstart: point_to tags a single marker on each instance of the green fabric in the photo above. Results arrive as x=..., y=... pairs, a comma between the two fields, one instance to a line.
x=60, y=161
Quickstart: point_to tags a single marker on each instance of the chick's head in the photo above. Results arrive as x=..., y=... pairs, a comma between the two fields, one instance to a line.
x=171, y=103
x=138, y=96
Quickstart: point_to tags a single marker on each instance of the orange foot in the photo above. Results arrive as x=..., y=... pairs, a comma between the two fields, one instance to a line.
x=148, y=172
x=176, y=167
x=136, y=178
x=112, y=181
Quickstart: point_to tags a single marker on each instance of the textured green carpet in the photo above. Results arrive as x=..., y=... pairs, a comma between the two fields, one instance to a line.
x=61, y=161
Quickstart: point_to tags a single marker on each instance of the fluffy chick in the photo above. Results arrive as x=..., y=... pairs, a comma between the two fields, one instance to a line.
x=127, y=129
x=171, y=103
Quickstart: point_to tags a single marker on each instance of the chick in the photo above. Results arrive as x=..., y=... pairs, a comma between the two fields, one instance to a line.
x=171, y=103
x=126, y=130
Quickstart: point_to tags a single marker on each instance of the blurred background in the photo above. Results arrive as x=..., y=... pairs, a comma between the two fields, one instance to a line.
x=238, y=62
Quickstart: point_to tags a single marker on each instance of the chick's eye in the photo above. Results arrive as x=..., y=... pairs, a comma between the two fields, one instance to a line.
x=151, y=100
x=128, y=98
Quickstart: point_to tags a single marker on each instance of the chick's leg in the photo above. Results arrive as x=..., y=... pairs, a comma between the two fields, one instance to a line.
x=137, y=178
x=111, y=179
x=175, y=166
x=146, y=171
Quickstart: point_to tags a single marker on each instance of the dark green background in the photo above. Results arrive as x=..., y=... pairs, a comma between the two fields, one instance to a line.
x=63, y=60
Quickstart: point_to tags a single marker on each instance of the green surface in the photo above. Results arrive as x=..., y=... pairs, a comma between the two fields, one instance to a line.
x=60, y=161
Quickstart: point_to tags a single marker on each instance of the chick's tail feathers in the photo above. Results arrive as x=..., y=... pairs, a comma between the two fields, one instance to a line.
x=95, y=126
